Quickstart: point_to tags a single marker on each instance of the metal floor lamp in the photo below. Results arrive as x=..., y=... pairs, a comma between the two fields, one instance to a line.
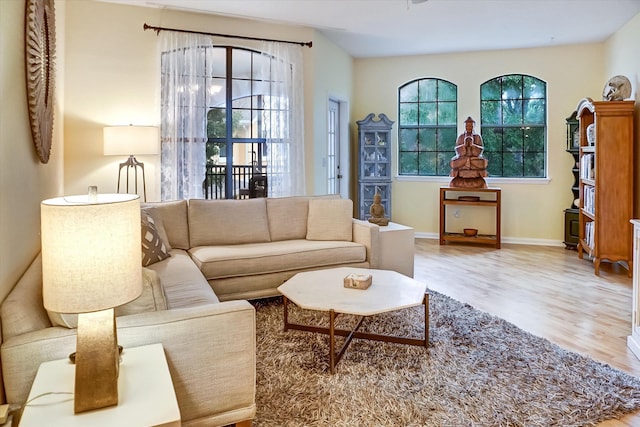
x=131, y=140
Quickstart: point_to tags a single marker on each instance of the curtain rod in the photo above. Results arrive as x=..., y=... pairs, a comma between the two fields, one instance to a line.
x=158, y=29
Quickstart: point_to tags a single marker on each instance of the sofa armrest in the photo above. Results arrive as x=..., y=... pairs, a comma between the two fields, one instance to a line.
x=210, y=351
x=367, y=234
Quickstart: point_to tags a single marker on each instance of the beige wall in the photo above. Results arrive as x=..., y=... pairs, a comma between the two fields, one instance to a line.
x=531, y=212
x=110, y=78
x=24, y=181
x=622, y=58
x=332, y=79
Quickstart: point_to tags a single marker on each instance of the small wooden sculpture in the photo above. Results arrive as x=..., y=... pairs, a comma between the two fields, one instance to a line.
x=377, y=211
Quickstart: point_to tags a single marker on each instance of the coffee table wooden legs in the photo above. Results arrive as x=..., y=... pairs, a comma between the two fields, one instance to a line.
x=425, y=302
x=332, y=342
x=334, y=357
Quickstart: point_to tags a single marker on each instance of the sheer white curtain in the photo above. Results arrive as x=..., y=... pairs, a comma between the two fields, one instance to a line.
x=186, y=61
x=184, y=115
x=285, y=118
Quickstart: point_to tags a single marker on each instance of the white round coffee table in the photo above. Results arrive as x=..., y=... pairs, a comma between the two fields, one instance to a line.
x=323, y=290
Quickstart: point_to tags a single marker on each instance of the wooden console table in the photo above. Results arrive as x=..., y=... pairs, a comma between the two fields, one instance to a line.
x=453, y=199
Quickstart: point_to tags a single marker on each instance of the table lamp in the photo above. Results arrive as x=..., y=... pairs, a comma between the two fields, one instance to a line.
x=91, y=264
x=131, y=140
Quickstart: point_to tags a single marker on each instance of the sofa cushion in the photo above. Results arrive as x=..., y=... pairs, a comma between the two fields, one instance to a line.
x=261, y=258
x=151, y=299
x=228, y=222
x=287, y=217
x=330, y=219
x=174, y=220
x=183, y=283
x=154, y=248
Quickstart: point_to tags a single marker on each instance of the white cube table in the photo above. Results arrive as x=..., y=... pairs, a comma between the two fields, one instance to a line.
x=145, y=391
x=397, y=248
x=323, y=290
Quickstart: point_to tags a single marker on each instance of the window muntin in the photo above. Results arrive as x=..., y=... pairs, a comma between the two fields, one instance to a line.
x=513, y=117
x=427, y=126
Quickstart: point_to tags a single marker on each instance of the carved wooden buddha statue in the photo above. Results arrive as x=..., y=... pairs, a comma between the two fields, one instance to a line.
x=468, y=166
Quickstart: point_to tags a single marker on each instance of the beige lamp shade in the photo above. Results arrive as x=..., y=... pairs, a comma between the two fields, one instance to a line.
x=90, y=252
x=130, y=140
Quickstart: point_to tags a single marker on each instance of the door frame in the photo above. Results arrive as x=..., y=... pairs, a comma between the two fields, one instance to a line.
x=343, y=138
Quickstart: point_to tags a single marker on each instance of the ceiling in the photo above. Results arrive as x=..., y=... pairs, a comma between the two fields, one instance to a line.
x=376, y=28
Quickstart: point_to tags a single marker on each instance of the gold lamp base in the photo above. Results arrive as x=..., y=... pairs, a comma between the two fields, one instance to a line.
x=97, y=361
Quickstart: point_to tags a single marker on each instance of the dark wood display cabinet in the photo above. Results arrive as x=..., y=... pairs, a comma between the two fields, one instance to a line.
x=571, y=214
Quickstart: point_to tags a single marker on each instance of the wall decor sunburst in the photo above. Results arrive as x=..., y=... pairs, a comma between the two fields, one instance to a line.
x=40, y=48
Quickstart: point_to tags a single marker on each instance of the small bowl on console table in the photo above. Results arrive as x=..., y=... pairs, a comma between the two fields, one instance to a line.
x=469, y=198
x=470, y=232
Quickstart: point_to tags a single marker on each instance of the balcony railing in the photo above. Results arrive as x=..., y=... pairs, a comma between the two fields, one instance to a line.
x=214, y=186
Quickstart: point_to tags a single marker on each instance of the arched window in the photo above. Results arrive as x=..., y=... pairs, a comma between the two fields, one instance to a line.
x=513, y=117
x=427, y=111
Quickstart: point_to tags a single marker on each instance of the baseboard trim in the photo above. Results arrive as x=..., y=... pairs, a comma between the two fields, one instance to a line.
x=633, y=345
x=513, y=240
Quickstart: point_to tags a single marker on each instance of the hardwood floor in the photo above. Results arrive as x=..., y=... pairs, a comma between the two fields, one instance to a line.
x=547, y=291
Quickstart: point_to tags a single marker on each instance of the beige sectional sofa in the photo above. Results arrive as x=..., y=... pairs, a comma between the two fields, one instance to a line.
x=208, y=258
x=247, y=248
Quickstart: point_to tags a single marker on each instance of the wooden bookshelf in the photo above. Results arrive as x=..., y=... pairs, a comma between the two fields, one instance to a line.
x=606, y=181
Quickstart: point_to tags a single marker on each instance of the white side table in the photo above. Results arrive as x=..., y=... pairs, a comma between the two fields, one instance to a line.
x=397, y=243
x=633, y=340
x=145, y=393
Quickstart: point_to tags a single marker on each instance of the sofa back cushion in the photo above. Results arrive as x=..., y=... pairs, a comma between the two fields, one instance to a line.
x=330, y=219
x=173, y=219
x=287, y=217
x=228, y=222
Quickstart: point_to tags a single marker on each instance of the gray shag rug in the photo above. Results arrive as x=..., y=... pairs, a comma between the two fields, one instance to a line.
x=479, y=370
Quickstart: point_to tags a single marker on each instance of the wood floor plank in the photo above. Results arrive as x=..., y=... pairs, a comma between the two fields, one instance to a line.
x=547, y=291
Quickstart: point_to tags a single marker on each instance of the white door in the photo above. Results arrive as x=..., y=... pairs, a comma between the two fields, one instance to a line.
x=333, y=148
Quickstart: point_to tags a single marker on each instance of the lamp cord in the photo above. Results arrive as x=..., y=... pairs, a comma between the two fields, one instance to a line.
x=17, y=409
x=47, y=394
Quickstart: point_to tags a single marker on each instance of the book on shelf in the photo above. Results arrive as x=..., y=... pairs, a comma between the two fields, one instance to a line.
x=589, y=231
x=588, y=199
x=587, y=166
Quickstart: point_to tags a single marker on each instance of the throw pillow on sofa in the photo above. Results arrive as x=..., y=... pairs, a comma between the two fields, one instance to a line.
x=155, y=214
x=154, y=248
x=330, y=219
